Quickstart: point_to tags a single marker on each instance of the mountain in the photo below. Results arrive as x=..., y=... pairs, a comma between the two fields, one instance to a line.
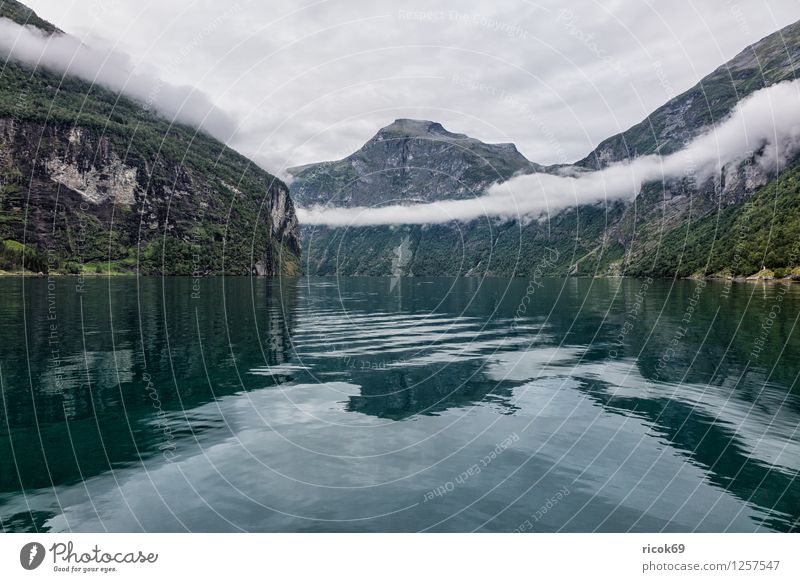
x=409, y=160
x=91, y=181
x=725, y=225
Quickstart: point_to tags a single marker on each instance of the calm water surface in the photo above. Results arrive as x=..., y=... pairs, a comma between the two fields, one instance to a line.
x=398, y=405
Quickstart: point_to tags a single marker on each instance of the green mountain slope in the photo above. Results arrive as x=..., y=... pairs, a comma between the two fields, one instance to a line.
x=740, y=240
x=92, y=181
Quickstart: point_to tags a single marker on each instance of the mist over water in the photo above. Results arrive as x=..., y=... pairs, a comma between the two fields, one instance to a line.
x=397, y=405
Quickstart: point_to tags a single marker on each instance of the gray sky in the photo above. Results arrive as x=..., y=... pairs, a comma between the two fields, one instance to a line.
x=311, y=81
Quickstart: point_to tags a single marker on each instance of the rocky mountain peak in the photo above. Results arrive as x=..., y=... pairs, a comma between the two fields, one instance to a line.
x=416, y=128
x=409, y=159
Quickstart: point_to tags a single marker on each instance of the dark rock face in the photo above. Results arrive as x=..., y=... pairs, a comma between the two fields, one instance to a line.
x=79, y=197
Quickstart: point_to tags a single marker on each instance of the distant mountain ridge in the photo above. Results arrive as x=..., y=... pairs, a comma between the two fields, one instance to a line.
x=400, y=163
x=409, y=159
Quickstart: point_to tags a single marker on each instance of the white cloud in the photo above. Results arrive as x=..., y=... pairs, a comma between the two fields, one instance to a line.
x=767, y=123
x=66, y=55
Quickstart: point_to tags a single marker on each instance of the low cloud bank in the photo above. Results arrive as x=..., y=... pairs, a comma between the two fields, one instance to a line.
x=66, y=55
x=767, y=123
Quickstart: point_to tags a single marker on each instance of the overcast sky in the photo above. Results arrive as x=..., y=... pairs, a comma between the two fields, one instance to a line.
x=311, y=81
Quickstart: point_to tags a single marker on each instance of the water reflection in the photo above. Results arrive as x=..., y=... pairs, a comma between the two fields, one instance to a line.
x=336, y=405
x=83, y=383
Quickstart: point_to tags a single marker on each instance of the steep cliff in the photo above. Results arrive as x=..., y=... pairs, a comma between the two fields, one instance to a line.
x=91, y=181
